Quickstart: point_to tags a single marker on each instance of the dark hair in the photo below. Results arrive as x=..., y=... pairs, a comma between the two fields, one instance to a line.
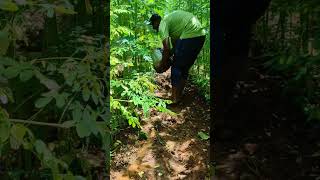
x=154, y=18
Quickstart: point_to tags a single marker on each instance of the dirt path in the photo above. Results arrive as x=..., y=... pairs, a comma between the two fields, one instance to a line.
x=173, y=149
x=274, y=141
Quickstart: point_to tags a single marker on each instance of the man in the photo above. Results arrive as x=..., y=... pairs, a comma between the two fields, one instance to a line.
x=187, y=37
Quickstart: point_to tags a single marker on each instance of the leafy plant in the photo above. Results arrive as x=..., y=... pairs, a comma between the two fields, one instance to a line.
x=54, y=104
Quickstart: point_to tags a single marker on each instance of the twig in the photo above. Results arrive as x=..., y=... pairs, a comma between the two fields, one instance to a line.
x=44, y=123
x=37, y=123
x=51, y=58
x=35, y=114
x=27, y=99
x=121, y=100
x=66, y=108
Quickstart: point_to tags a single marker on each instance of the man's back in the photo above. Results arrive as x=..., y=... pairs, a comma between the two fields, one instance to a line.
x=180, y=25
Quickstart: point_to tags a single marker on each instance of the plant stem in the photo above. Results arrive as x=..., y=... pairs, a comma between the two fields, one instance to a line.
x=37, y=123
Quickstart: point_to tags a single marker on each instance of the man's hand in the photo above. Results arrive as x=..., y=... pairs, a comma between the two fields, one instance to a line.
x=165, y=61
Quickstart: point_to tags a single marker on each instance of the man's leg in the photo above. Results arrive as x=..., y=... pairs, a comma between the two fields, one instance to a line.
x=177, y=82
x=185, y=55
x=177, y=90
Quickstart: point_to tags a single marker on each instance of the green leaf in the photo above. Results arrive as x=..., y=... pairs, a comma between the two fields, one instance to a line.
x=4, y=42
x=14, y=143
x=68, y=176
x=4, y=129
x=70, y=77
x=79, y=178
x=42, y=102
x=50, y=84
x=94, y=98
x=7, y=5
x=106, y=116
x=84, y=126
x=51, y=93
x=17, y=132
x=203, y=135
x=60, y=100
x=77, y=114
x=68, y=124
x=82, y=129
x=11, y=72
x=50, y=12
x=26, y=75
x=143, y=135
x=41, y=148
x=89, y=119
x=86, y=93
x=64, y=10
x=51, y=67
x=7, y=61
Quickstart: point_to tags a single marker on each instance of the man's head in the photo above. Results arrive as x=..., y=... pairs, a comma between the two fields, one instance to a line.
x=155, y=21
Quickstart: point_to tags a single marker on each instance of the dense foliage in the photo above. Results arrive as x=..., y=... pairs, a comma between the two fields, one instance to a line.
x=288, y=35
x=53, y=89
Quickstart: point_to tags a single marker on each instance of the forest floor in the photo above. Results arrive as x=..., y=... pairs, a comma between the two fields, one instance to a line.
x=173, y=149
x=273, y=141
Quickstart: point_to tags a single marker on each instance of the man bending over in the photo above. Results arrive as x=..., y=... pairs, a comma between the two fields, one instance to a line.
x=187, y=37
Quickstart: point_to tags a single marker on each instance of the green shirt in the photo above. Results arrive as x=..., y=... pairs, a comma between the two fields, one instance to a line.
x=180, y=25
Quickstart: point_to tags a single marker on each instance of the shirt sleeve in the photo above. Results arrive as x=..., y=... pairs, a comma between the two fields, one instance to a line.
x=163, y=30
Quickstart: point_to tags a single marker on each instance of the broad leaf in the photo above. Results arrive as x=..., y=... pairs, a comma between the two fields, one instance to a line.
x=4, y=129
x=26, y=75
x=42, y=102
x=94, y=98
x=50, y=12
x=7, y=5
x=203, y=135
x=17, y=132
x=63, y=10
x=4, y=42
x=50, y=84
x=82, y=129
x=77, y=114
x=86, y=93
x=60, y=100
x=11, y=72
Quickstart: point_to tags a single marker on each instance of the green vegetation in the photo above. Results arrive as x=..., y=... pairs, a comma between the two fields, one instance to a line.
x=288, y=36
x=53, y=89
x=132, y=74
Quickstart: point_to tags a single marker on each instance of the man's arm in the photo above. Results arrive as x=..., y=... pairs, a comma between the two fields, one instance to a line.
x=173, y=42
x=165, y=62
x=166, y=50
